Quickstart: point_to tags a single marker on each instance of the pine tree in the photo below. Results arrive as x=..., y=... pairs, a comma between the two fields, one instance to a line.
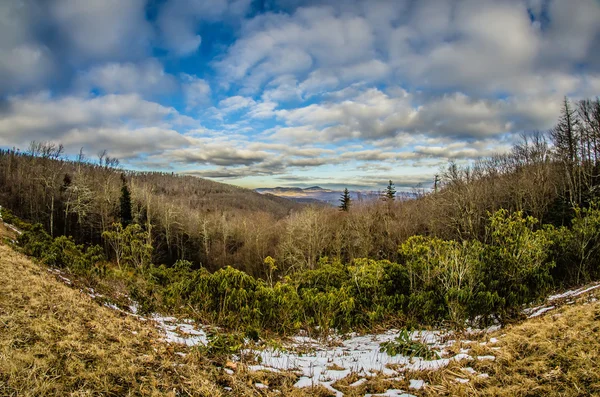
x=345, y=200
x=390, y=192
x=125, y=200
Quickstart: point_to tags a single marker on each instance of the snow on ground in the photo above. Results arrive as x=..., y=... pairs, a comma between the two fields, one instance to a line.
x=391, y=393
x=324, y=364
x=549, y=305
x=573, y=293
x=541, y=311
x=181, y=332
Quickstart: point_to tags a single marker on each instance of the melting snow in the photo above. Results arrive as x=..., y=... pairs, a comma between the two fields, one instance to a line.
x=541, y=311
x=416, y=384
x=392, y=393
x=358, y=354
x=358, y=382
x=183, y=333
x=573, y=293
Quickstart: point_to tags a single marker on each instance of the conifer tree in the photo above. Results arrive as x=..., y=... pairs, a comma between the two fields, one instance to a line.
x=125, y=201
x=345, y=200
x=390, y=192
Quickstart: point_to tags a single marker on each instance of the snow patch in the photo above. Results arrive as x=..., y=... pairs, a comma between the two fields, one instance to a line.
x=417, y=384
x=392, y=393
x=541, y=311
x=358, y=382
x=320, y=364
x=573, y=293
x=182, y=333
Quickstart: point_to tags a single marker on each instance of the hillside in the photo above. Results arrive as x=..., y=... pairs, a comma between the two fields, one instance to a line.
x=187, y=217
x=56, y=340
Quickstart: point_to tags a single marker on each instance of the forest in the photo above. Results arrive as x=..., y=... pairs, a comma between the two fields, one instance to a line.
x=492, y=236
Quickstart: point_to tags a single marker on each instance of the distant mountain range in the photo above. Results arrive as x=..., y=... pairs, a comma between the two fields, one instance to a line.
x=317, y=194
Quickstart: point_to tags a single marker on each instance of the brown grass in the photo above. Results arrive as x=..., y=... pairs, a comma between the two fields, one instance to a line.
x=557, y=354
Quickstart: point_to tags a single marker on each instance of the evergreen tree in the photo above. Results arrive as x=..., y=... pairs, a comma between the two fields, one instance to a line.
x=390, y=192
x=345, y=200
x=125, y=200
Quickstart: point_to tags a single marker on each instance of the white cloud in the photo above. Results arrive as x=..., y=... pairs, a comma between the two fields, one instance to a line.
x=146, y=78
x=196, y=92
x=24, y=63
x=276, y=44
x=123, y=124
x=102, y=29
x=374, y=115
x=25, y=66
x=235, y=103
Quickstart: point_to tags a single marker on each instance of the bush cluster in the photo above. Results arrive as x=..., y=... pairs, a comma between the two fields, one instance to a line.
x=62, y=252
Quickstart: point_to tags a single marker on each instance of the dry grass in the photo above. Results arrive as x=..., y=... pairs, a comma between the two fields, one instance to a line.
x=557, y=354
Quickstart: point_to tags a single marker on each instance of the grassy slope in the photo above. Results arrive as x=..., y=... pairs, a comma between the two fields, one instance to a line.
x=54, y=340
x=556, y=354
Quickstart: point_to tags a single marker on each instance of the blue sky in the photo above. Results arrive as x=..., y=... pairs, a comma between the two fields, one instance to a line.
x=292, y=93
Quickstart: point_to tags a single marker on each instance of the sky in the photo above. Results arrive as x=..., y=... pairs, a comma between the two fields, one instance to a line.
x=265, y=93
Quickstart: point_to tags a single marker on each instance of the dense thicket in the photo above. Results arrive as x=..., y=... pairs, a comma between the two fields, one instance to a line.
x=492, y=236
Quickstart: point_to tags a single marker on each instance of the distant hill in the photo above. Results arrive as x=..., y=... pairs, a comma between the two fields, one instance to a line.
x=317, y=194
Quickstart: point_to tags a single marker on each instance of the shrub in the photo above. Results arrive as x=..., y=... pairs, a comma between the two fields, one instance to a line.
x=404, y=344
x=222, y=344
x=516, y=262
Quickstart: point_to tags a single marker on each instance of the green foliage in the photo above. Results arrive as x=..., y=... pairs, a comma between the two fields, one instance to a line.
x=436, y=281
x=35, y=241
x=390, y=192
x=516, y=262
x=130, y=245
x=222, y=344
x=576, y=250
x=62, y=252
x=443, y=277
x=404, y=344
x=7, y=216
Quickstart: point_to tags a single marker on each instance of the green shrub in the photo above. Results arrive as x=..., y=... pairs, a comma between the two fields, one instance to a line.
x=404, y=344
x=35, y=241
x=222, y=344
x=8, y=217
x=516, y=262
